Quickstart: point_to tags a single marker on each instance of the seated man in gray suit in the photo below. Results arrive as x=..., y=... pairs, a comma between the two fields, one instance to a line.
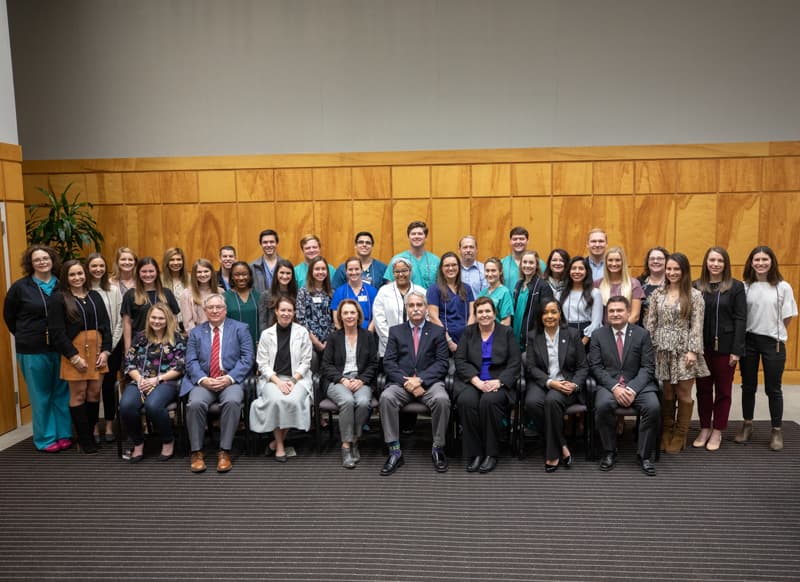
x=415, y=364
x=219, y=356
x=621, y=360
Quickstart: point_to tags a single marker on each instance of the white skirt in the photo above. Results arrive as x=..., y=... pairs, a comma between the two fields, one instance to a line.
x=274, y=409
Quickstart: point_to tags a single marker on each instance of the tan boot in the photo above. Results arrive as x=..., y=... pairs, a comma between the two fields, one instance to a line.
x=776, y=440
x=667, y=421
x=744, y=433
x=678, y=441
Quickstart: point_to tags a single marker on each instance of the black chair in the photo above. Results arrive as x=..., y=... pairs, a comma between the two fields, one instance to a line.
x=325, y=406
x=174, y=409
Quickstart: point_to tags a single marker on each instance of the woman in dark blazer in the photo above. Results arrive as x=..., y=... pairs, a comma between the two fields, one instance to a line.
x=723, y=337
x=556, y=372
x=350, y=379
x=487, y=368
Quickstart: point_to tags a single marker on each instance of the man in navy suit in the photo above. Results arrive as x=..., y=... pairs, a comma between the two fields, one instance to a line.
x=621, y=360
x=219, y=356
x=415, y=363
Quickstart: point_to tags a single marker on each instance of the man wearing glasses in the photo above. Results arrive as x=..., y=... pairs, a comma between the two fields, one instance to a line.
x=372, y=270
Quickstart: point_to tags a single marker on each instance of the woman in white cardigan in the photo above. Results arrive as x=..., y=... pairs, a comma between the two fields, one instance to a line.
x=284, y=386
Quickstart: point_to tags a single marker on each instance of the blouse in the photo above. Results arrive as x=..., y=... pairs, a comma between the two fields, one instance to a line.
x=246, y=312
x=314, y=312
x=155, y=359
x=486, y=357
x=767, y=306
x=138, y=313
x=577, y=311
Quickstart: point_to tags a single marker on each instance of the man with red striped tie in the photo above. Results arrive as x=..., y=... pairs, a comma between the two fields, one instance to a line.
x=219, y=356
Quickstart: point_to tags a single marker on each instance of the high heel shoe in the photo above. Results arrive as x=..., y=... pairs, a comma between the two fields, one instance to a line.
x=550, y=468
x=566, y=462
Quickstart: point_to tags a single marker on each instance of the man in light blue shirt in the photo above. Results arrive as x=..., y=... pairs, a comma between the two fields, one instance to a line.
x=596, y=243
x=472, y=273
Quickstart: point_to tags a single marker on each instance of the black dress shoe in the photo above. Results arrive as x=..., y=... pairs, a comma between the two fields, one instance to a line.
x=488, y=465
x=608, y=461
x=474, y=465
x=648, y=467
x=550, y=468
x=439, y=461
x=391, y=465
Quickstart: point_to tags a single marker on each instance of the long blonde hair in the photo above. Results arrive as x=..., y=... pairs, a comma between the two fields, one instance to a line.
x=171, y=329
x=115, y=271
x=166, y=273
x=626, y=287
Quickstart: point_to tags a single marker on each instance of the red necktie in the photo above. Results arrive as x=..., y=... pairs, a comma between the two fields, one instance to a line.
x=619, y=351
x=214, y=366
x=416, y=339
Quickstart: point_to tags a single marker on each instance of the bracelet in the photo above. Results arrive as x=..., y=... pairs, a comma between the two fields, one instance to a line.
x=75, y=359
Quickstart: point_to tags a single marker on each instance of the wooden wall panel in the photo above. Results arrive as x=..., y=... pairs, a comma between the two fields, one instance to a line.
x=655, y=226
x=12, y=181
x=491, y=180
x=113, y=218
x=255, y=185
x=404, y=212
x=370, y=183
x=738, y=218
x=216, y=227
x=375, y=217
x=490, y=221
x=141, y=188
x=411, y=181
x=332, y=183
x=293, y=184
x=178, y=187
x=782, y=173
x=217, y=186
x=779, y=223
x=698, y=176
x=30, y=185
x=656, y=177
x=612, y=177
x=105, y=188
x=740, y=175
x=452, y=217
x=16, y=214
x=531, y=179
x=295, y=219
x=572, y=219
x=538, y=216
x=572, y=178
x=695, y=220
x=451, y=181
x=333, y=223
x=251, y=219
x=616, y=214
x=145, y=230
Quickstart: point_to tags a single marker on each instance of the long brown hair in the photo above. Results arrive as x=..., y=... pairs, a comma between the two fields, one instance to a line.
x=195, y=286
x=441, y=280
x=704, y=284
x=70, y=303
x=311, y=283
x=104, y=284
x=166, y=275
x=140, y=295
x=685, y=284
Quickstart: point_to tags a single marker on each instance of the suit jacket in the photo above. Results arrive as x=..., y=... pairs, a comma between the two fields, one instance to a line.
x=431, y=362
x=732, y=322
x=236, y=350
x=506, y=359
x=571, y=358
x=638, y=361
x=335, y=354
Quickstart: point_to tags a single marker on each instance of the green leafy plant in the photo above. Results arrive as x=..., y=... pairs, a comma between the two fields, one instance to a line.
x=68, y=226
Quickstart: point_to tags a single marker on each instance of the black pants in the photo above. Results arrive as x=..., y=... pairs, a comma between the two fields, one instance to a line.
x=547, y=407
x=109, y=381
x=481, y=415
x=773, y=357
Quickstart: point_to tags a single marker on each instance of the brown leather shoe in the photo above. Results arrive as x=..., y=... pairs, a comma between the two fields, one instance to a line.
x=198, y=464
x=224, y=462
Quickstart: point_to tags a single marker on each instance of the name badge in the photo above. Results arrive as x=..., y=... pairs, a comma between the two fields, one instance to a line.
x=316, y=299
x=362, y=298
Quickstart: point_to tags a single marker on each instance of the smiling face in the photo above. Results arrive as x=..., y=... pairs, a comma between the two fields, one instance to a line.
x=241, y=277
x=349, y=316
x=364, y=246
x=76, y=278
x=319, y=271
x=417, y=238
x=715, y=263
x=468, y=249
x=284, y=276
x=203, y=274
x=126, y=263
x=311, y=249
x=557, y=265
x=450, y=269
x=284, y=313
x=597, y=244
x=175, y=263
x=42, y=263
x=157, y=321
x=401, y=272
x=97, y=268
x=618, y=314
x=614, y=263
x=577, y=272
x=485, y=315
x=148, y=274
x=528, y=264
x=551, y=316
x=353, y=270
x=226, y=258
x=492, y=273
x=656, y=262
x=215, y=310
x=673, y=272
x=761, y=265
x=518, y=242
x=269, y=246
x=416, y=309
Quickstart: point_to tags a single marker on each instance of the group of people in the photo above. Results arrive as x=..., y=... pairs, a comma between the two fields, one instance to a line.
x=198, y=332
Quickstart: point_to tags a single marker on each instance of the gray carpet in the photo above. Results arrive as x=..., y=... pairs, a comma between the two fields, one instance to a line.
x=730, y=515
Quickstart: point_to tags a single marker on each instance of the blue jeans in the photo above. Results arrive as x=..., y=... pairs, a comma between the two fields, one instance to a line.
x=155, y=406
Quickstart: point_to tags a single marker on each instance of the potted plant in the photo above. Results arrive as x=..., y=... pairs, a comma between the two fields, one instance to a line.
x=68, y=225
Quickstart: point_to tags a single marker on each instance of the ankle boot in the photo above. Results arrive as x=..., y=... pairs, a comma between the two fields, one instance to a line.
x=92, y=416
x=667, y=421
x=744, y=433
x=83, y=429
x=776, y=439
x=678, y=441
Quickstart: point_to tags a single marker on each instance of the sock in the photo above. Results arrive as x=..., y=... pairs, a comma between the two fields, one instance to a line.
x=394, y=448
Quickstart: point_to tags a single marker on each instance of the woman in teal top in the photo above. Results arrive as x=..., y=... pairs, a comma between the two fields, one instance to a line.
x=497, y=291
x=241, y=300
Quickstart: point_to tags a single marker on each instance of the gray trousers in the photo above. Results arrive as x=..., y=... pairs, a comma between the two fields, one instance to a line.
x=394, y=397
x=353, y=409
x=606, y=420
x=230, y=403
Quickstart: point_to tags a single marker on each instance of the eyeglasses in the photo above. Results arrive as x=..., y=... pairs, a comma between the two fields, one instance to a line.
x=402, y=272
x=41, y=260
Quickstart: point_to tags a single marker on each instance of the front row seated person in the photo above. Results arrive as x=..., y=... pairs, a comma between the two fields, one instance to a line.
x=349, y=368
x=416, y=364
x=487, y=368
x=219, y=356
x=556, y=370
x=621, y=360
x=284, y=387
x=154, y=362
